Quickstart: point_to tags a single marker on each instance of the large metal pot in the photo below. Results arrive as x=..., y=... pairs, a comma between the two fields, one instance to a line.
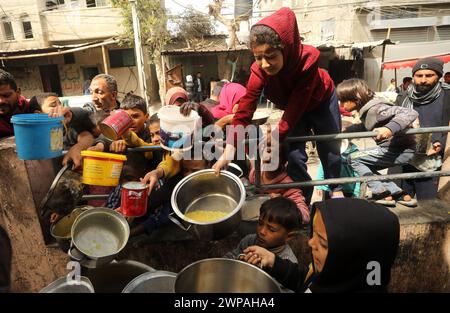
x=204, y=191
x=224, y=276
x=98, y=235
x=113, y=277
x=152, y=282
x=63, y=285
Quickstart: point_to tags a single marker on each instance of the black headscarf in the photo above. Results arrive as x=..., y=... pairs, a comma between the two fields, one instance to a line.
x=358, y=232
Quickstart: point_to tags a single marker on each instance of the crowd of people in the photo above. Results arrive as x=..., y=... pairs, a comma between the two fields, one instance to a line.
x=287, y=72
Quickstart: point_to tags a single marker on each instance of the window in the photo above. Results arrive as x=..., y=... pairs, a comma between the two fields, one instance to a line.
x=52, y=4
x=7, y=28
x=121, y=58
x=26, y=24
x=96, y=3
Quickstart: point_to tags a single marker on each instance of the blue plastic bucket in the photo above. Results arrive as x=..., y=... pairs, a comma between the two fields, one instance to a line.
x=38, y=136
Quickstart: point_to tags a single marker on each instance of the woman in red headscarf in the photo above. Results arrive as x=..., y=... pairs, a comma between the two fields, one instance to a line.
x=288, y=72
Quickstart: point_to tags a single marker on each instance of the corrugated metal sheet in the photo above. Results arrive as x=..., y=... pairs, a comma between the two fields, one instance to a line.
x=443, y=32
x=402, y=35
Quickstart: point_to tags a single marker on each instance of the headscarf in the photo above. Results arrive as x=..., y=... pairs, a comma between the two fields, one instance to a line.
x=174, y=93
x=230, y=94
x=284, y=23
x=358, y=232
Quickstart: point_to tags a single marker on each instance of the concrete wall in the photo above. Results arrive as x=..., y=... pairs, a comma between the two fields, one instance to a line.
x=14, y=10
x=82, y=23
x=34, y=265
x=26, y=72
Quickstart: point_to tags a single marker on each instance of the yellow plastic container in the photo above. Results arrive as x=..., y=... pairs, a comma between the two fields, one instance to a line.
x=101, y=168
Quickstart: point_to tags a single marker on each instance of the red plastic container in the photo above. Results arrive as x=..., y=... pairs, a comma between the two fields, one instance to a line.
x=115, y=125
x=134, y=199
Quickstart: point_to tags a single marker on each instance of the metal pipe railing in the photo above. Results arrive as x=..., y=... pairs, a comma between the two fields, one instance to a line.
x=409, y=131
x=361, y=179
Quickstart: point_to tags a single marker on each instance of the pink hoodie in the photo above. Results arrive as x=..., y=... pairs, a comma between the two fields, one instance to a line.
x=294, y=194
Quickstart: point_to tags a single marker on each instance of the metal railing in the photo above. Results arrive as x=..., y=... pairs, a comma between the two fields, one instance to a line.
x=335, y=181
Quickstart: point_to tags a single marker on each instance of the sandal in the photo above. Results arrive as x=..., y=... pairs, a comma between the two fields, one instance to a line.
x=400, y=198
x=380, y=196
x=385, y=202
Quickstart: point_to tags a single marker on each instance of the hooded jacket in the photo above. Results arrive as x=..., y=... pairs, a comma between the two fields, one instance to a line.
x=359, y=232
x=299, y=87
x=379, y=113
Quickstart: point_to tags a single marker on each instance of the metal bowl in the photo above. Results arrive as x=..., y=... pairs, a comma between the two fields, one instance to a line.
x=224, y=276
x=205, y=191
x=153, y=282
x=62, y=285
x=98, y=235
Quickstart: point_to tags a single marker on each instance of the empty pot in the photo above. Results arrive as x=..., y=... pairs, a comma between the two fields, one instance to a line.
x=98, y=235
x=62, y=285
x=224, y=276
x=152, y=282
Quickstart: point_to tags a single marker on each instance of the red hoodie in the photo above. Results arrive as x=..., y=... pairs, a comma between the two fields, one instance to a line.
x=6, y=127
x=298, y=88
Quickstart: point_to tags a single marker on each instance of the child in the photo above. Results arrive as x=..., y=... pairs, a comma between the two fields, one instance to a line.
x=78, y=127
x=280, y=176
x=229, y=98
x=278, y=221
x=288, y=72
x=136, y=107
x=347, y=235
x=387, y=120
x=178, y=96
x=350, y=190
x=154, y=129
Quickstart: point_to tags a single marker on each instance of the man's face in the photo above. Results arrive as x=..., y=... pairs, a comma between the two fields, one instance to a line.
x=9, y=99
x=102, y=97
x=424, y=80
x=138, y=118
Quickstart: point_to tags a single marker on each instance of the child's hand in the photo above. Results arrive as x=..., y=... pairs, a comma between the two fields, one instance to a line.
x=383, y=133
x=187, y=107
x=118, y=146
x=98, y=147
x=152, y=179
x=435, y=149
x=259, y=256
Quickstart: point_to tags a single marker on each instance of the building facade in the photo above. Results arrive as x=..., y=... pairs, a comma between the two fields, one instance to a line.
x=59, y=45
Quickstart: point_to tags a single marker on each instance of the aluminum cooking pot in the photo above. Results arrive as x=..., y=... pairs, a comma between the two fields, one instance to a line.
x=98, y=235
x=204, y=191
x=113, y=277
x=152, y=282
x=224, y=276
x=62, y=285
